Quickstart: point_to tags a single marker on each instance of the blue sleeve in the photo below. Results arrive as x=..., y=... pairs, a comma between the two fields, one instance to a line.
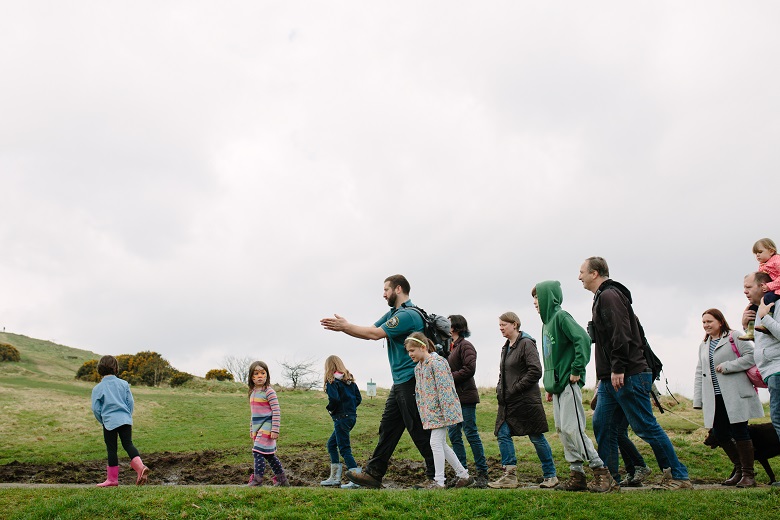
x=130, y=400
x=401, y=324
x=333, y=397
x=358, y=395
x=97, y=405
x=378, y=323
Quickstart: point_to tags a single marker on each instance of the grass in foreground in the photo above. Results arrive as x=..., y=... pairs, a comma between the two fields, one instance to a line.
x=231, y=503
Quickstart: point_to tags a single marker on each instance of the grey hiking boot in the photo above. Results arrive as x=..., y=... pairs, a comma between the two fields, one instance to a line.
x=671, y=484
x=603, y=481
x=507, y=481
x=640, y=474
x=481, y=480
x=575, y=482
x=549, y=483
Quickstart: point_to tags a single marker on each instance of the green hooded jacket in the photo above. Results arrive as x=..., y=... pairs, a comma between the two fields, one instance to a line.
x=565, y=344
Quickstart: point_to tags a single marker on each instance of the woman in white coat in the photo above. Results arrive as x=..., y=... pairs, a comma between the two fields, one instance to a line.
x=727, y=396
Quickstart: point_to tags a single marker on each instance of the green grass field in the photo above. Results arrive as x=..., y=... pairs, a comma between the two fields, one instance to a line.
x=46, y=418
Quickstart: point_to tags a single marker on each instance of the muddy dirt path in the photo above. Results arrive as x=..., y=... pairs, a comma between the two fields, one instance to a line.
x=303, y=468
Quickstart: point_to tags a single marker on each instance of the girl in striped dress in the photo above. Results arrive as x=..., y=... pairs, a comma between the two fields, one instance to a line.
x=264, y=426
x=438, y=404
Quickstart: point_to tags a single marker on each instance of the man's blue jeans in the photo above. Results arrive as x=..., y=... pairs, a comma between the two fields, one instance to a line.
x=773, y=383
x=632, y=403
x=469, y=427
x=507, y=448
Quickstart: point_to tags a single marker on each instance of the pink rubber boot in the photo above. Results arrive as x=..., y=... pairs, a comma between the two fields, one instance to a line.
x=112, y=477
x=138, y=465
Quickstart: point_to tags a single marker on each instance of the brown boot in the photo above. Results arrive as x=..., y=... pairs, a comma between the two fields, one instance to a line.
x=745, y=449
x=575, y=482
x=731, y=451
x=603, y=481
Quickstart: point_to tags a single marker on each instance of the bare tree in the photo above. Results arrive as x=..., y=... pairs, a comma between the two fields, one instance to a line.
x=238, y=366
x=300, y=374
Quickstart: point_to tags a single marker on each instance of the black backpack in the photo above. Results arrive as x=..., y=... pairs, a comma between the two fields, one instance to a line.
x=653, y=362
x=437, y=329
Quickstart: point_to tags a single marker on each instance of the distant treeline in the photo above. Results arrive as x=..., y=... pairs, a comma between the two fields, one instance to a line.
x=145, y=368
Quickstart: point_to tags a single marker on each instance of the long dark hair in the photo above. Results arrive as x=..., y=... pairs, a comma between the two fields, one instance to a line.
x=252, y=368
x=720, y=318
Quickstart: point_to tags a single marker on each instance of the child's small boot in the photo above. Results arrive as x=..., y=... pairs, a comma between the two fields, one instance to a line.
x=749, y=333
x=352, y=485
x=112, y=477
x=254, y=480
x=334, y=479
x=142, y=471
x=280, y=480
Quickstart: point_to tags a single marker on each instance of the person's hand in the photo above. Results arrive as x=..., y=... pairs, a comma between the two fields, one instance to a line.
x=274, y=435
x=337, y=323
x=719, y=368
x=549, y=397
x=618, y=381
x=747, y=317
x=252, y=436
x=573, y=378
x=763, y=309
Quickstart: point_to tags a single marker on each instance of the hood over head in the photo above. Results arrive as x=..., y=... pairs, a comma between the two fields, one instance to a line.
x=550, y=297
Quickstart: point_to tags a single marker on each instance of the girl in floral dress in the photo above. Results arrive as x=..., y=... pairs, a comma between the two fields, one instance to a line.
x=438, y=404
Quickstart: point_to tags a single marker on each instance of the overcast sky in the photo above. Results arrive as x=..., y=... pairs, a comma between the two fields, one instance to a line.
x=206, y=179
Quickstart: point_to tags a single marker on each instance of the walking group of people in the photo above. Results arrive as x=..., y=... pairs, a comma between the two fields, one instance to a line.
x=430, y=393
x=433, y=398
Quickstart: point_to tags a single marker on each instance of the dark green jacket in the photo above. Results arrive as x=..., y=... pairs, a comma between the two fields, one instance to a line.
x=565, y=345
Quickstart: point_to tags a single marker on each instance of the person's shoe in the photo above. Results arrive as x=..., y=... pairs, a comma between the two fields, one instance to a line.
x=255, y=481
x=430, y=484
x=603, y=481
x=464, y=482
x=334, y=480
x=280, y=480
x=640, y=474
x=507, y=481
x=733, y=454
x=549, y=483
x=142, y=471
x=481, y=480
x=575, y=482
x=351, y=485
x=112, y=477
x=749, y=334
x=775, y=484
x=361, y=478
x=670, y=484
x=450, y=482
x=746, y=455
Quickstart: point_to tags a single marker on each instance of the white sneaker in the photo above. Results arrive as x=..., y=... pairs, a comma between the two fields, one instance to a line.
x=549, y=483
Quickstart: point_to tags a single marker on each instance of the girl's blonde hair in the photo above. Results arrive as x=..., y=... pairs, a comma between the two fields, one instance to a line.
x=252, y=367
x=419, y=340
x=332, y=365
x=766, y=243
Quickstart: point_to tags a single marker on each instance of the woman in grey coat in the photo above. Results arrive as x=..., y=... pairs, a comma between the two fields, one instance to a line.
x=727, y=396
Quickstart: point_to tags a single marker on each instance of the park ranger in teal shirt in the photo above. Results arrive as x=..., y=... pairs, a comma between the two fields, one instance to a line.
x=400, y=411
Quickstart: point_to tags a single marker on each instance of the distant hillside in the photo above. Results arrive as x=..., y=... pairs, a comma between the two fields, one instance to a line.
x=43, y=358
